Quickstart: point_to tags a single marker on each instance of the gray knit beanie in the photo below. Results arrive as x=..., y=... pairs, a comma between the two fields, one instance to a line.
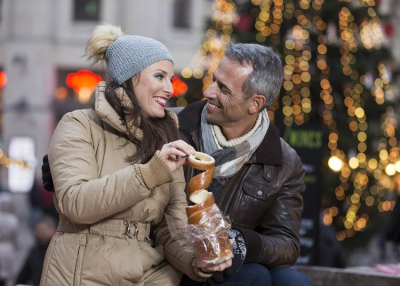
x=128, y=55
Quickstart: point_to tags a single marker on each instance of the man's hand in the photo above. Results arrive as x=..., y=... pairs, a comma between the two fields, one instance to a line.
x=46, y=175
x=239, y=252
x=217, y=267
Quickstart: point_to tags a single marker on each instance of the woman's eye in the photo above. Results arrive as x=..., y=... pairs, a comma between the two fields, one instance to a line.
x=159, y=76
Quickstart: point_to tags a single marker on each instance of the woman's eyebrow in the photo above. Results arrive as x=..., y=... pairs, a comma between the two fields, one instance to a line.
x=160, y=70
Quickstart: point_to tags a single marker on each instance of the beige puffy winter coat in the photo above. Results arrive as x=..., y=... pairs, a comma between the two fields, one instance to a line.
x=98, y=195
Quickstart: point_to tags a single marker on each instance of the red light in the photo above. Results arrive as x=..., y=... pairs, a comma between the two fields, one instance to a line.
x=83, y=79
x=180, y=87
x=3, y=79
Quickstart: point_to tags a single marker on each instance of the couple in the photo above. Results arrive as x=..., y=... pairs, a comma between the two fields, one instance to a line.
x=120, y=186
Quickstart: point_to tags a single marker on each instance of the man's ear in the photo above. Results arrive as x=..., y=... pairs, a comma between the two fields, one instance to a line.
x=257, y=102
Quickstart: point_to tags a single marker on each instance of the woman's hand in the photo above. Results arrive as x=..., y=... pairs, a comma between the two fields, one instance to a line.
x=175, y=153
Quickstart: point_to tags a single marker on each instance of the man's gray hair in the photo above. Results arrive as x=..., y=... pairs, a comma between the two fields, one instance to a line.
x=267, y=75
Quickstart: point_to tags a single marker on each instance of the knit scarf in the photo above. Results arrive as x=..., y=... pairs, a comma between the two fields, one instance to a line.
x=132, y=125
x=231, y=155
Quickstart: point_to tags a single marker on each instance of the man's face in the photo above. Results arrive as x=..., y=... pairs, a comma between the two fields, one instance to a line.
x=226, y=106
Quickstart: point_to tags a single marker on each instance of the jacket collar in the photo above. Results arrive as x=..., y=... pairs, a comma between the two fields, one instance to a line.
x=268, y=153
x=104, y=110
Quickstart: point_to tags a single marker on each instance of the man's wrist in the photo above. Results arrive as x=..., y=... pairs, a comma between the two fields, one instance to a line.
x=254, y=243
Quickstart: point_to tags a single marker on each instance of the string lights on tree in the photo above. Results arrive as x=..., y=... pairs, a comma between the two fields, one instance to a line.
x=335, y=72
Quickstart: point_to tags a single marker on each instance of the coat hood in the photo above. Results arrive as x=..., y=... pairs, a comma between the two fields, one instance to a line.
x=105, y=111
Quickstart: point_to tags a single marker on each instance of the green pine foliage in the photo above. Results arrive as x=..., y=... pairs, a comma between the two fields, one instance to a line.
x=337, y=76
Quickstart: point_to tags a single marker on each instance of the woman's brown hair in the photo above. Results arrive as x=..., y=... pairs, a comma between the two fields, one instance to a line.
x=156, y=131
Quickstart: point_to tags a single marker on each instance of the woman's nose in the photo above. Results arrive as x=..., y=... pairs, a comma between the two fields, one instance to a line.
x=168, y=88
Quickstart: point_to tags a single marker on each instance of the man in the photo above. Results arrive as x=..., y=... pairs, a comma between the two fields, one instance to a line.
x=258, y=177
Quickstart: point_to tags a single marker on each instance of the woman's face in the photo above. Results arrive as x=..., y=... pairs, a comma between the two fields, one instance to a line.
x=154, y=88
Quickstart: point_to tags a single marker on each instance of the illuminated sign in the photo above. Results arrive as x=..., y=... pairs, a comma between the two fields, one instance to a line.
x=3, y=79
x=83, y=83
x=180, y=87
x=20, y=178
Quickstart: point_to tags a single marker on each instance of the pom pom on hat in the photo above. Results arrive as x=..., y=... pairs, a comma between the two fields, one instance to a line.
x=126, y=55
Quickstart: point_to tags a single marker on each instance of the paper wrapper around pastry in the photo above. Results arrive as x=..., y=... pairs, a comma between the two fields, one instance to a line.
x=207, y=225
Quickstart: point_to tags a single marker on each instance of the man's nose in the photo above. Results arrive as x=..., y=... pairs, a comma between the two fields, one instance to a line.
x=210, y=92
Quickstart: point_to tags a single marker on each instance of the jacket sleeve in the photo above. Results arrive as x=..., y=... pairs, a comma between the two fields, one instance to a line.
x=276, y=242
x=169, y=232
x=81, y=195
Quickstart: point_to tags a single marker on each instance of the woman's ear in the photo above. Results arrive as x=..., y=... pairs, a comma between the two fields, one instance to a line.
x=135, y=79
x=257, y=102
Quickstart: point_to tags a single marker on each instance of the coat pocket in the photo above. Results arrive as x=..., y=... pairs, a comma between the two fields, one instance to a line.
x=63, y=260
x=253, y=202
x=78, y=270
x=112, y=261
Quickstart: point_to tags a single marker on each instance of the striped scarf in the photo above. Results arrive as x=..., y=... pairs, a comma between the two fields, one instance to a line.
x=231, y=155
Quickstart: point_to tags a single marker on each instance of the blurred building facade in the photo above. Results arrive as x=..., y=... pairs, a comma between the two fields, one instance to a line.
x=43, y=41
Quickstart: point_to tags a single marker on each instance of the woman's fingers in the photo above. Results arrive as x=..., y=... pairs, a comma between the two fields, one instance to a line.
x=182, y=146
x=176, y=153
x=177, y=150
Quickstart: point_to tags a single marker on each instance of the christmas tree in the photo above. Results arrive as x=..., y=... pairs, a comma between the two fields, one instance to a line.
x=337, y=76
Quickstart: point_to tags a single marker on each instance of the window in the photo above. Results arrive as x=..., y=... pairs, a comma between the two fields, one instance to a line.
x=182, y=13
x=86, y=10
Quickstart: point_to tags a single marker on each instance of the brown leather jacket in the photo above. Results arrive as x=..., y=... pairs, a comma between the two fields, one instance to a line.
x=264, y=198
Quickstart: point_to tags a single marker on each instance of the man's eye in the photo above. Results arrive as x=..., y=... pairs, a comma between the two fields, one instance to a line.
x=222, y=88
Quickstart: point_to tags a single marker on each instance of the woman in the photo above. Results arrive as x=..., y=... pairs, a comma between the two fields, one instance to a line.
x=119, y=187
